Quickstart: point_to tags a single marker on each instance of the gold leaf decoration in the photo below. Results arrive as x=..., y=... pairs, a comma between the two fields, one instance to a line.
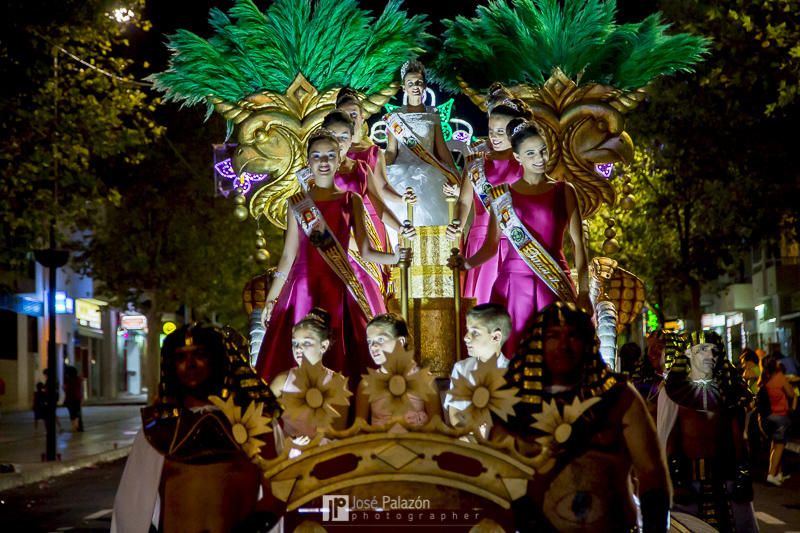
x=245, y=427
x=318, y=394
x=397, y=380
x=272, y=130
x=558, y=426
x=486, y=395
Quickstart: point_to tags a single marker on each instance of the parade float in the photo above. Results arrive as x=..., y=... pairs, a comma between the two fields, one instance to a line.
x=273, y=75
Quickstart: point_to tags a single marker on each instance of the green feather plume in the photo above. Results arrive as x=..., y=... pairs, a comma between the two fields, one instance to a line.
x=333, y=43
x=522, y=41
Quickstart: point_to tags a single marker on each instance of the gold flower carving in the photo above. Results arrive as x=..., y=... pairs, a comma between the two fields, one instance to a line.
x=318, y=394
x=245, y=427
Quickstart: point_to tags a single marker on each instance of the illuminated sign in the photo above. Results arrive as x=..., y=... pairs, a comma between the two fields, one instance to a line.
x=64, y=305
x=87, y=313
x=133, y=322
x=168, y=327
x=712, y=321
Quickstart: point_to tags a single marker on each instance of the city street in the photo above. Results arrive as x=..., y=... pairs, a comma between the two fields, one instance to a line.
x=82, y=501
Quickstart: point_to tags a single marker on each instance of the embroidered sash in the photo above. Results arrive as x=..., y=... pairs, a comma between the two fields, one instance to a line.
x=404, y=134
x=476, y=172
x=311, y=221
x=529, y=249
x=306, y=179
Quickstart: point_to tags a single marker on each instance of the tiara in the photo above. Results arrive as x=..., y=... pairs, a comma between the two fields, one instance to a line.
x=507, y=102
x=404, y=70
x=519, y=127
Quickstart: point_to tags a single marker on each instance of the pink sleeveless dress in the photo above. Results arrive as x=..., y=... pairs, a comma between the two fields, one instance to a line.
x=517, y=287
x=381, y=414
x=296, y=427
x=479, y=281
x=312, y=283
x=370, y=158
x=356, y=182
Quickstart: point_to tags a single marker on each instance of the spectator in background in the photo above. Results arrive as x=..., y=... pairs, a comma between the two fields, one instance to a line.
x=751, y=371
x=630, y=356
x=39, y=405
x=748, y=362
x=73, y=396
x=776, y=425
x=789, y=364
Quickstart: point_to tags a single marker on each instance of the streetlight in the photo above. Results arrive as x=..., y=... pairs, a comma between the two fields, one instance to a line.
x=121, y=15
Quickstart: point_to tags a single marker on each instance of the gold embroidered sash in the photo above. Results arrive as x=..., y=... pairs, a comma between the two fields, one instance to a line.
x=529, y=249
x=476, y=172
x=311, y=221
x=404, y=134
x=306, y=180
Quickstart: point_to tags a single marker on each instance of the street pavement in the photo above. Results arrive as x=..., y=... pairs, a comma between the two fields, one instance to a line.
x=109, y=433
x=80, y=499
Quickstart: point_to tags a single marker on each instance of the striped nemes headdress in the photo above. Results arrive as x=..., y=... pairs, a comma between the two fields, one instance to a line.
x=527, y=370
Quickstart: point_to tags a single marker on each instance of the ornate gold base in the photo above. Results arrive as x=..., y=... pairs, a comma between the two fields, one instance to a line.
x=432, y=328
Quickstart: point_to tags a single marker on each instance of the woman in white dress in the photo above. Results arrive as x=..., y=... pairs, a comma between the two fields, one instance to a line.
x=405, y=168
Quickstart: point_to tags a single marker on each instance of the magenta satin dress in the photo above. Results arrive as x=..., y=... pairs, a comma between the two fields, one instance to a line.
x=356, y=182
x=370, y=158
x=479, y=281
x=517, y=287
x=312, y=283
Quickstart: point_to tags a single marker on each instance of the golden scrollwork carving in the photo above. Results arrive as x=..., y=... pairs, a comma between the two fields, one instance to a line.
x=272, y=130
x=421, y=455
x=583, y=126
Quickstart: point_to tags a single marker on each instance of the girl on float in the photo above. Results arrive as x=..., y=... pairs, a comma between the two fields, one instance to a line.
x=492, y=164
x=387, y=334
x=311, y=339
x=314, y=271
x=354, y=175
x=542, y=209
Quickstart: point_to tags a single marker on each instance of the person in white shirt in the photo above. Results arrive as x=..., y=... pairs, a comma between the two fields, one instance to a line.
x=488, y=327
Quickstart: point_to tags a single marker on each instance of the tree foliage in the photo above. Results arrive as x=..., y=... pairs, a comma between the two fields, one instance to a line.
x=713, y=175
x=170, y=241
x=64, y=123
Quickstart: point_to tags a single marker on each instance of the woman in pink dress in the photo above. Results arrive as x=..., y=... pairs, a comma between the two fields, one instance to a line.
x=500, y=167
x=304, y=280
x=546, y=208
x=362, y=149
x=356, y=176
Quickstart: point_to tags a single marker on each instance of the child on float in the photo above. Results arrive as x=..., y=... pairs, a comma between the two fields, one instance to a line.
x=547, y=208
x=304, y=279
x=311, y=338
x=488, y=327
x=388, y=334
x=499, y=167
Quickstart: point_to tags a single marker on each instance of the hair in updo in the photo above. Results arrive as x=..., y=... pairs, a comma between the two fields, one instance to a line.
x=338, y=116
x=319, y=135
x=413, y=67
x=520, y=129
x=346, y=95
x=394, y=324
x=502, y=102
x=317, y=320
